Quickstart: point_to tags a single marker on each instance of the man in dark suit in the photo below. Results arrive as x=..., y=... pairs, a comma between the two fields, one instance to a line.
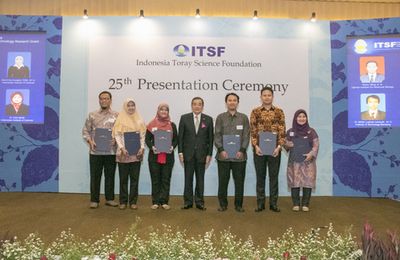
x=373, y=113
x=372, y=76
x=195, y=146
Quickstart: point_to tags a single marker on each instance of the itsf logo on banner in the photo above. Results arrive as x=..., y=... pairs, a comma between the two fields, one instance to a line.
x=182, y=50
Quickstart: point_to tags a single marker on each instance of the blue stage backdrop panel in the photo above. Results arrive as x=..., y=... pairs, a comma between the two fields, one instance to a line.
x=366, y=161
x=29, y=152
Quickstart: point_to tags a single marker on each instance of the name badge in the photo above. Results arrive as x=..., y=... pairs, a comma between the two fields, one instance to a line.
x=154, y=129
x=239, y=127
x=291, y=133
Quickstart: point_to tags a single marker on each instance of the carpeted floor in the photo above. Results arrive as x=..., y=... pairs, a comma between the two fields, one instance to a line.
x=50, y=213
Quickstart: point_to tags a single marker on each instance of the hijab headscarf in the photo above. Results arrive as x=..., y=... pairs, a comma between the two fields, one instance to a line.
x=301, y=130
x=16, y=105
x=159, y=122
x=129, y=122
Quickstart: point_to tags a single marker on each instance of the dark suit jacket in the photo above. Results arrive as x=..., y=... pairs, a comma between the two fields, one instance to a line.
x=23, y=110
x=379, y=116
x=150, y=143
x=379, y=78
x=191, y=144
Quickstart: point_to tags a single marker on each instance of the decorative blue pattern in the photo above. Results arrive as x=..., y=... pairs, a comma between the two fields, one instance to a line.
x=29, y=152
x=366, y=162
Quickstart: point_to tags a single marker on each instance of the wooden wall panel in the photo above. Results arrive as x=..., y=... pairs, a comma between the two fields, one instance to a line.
x=297, y=9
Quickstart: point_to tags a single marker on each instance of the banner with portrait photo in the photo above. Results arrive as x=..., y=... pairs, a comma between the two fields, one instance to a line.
x=373, y=80
x=22, y=76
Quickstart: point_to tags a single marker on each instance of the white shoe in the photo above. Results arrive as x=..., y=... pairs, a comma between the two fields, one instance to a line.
x=296, y=208
x=94, y=205
x=166, y=206
x=305, y=209
x=111, y=203
x=154, y=206
x=122, y=206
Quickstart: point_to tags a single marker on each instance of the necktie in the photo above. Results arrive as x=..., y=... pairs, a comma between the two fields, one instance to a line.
x=373, y=114
x=196, y=123
x=371, y=79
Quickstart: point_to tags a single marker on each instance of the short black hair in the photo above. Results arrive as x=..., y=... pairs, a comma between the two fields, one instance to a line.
x=105, y=92
x=267, y=88
x=371, y=61
x=231, y=94
x=198, y=98
x=375, y=97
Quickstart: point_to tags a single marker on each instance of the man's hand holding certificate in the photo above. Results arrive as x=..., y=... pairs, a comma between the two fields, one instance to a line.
x=102, y=140
x=231, y=145
x=267, y=143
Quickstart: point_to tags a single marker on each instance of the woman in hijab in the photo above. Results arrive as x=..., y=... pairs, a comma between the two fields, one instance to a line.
x=160, y=164
x=302, y=143
x=17, y=106
x=128, y=120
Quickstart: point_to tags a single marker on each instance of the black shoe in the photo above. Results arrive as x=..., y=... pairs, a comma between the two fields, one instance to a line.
x=201, y=207
x=222, y=209
x=260, y=208
x=187, y=207
x=274, y=208
x=239, y=209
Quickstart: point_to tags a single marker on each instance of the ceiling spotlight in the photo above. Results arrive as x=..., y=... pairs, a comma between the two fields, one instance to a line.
x=197, y=13
x=255, y=15
x=141, y=14
x=313, y=17
x=85, y=14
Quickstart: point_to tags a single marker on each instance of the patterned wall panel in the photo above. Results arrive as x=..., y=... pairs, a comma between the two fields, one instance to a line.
x=366, y=161
x=29, y=152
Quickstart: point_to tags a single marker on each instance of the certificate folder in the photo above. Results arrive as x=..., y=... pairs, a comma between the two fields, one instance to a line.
x=132, y=142
x=102, y=138
x=231, y=144
x=163, y=141
x=267, y=142
x=301, y=146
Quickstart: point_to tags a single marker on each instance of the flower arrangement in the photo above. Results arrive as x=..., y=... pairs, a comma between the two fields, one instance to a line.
x=166, y=243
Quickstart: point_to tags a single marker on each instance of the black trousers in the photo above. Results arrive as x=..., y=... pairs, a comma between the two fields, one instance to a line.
x=129, y=172
x=160, y=182
x=296, y=196
x=224, y=173
x=194, y=168
x=261, y=164
x=98, y=163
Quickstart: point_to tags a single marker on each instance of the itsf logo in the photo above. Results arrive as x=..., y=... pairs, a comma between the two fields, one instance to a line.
x=182, y=50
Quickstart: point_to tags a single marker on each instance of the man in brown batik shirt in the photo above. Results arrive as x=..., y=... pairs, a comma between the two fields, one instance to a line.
x=269, y=118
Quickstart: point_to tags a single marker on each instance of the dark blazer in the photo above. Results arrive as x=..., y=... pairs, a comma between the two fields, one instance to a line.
x=378, y=79
x=381, y=115
x=191, y=144
x=149, y=140
x=23, y=110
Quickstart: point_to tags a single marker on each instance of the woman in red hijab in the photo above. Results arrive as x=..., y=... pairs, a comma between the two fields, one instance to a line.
x=161, y=164
x=302, y=143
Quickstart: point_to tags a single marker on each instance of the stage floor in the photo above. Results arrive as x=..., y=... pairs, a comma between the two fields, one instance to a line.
x=50, y=213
